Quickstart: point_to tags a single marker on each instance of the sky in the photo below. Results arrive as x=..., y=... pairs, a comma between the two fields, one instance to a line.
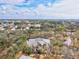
x=39, y=9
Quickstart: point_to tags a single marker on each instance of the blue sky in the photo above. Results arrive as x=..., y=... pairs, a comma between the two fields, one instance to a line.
x=39, y=9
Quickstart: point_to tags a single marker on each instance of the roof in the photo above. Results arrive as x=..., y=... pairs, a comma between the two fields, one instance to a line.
x=35, y=41
x=26, y=57
x=68, y=42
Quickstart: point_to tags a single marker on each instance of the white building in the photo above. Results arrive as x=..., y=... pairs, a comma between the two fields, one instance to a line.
x=68, y=42
x=36, y=41
x=1, y=27
x=37, y=25
x=26, y=57
x=14, y=28
x=39, y=43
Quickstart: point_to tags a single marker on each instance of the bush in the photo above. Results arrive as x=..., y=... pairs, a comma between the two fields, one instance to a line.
x=27, y=50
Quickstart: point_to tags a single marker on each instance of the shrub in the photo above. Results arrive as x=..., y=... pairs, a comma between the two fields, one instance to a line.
x=27, y=50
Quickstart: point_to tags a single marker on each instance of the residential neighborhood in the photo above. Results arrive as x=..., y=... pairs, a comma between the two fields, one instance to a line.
x=39, y=39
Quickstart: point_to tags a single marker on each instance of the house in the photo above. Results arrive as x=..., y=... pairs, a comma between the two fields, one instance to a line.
x=14, y=28
x=68, y=42
x=1, y=26
x=26, y=57
x=36, y=26
x=38, y=44
x=36, y=41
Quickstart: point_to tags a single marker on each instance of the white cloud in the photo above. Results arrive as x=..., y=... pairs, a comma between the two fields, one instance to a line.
x=64, y=9
x=11, y=1
x=10, y=11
